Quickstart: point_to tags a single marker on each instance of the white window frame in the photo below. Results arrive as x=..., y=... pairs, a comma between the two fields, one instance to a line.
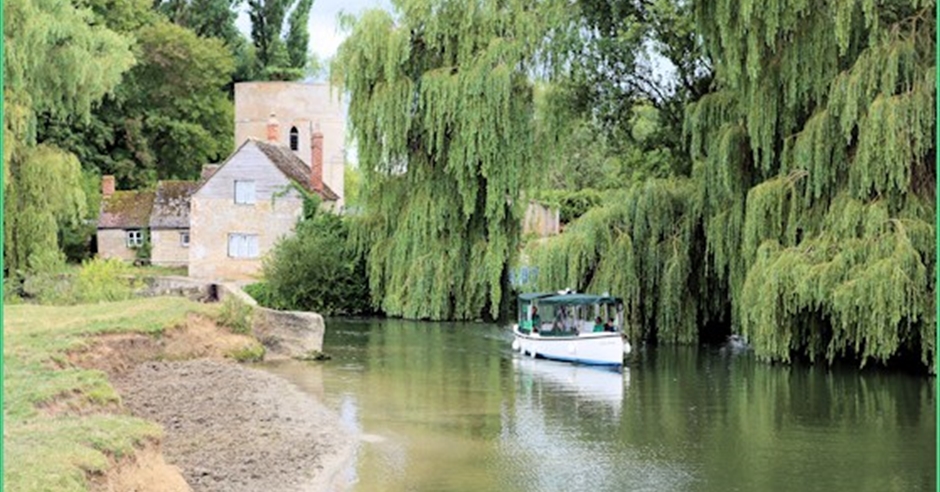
x=243, y=246
x=244, y=192
x=184, y=239
x=134, y=238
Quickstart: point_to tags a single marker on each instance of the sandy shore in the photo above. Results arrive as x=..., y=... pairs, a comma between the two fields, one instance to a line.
x=231, y=428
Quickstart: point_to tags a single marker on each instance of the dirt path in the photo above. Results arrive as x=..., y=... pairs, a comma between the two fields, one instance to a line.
x=230, y=428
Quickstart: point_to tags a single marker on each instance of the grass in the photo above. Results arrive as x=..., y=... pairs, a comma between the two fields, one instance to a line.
x=46, y=450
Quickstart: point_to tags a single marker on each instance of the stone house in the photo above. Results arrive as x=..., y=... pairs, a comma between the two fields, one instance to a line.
x=247, y=204
x=169, y=223
x=123, y=221
x=290, y=113
x=222, y=225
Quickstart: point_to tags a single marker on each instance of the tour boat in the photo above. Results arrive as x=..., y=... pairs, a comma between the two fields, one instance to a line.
x=571, y=327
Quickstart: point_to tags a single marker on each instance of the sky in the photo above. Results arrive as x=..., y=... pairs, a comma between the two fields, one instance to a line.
x=325, y=35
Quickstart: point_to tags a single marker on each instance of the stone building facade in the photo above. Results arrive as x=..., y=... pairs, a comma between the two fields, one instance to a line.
x=248, y=203
x=297, y=111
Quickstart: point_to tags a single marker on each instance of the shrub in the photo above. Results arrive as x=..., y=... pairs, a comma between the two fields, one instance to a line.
x=104, y=280
x=235, y=315
x=315, y=270
x=97, y=280
x=249, y=353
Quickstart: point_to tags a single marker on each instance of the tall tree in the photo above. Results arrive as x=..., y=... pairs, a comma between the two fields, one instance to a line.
x=628, y=52
x=826, y=170
x=808, y=221
x=169, y=116
x=441, y=107
x=207, y=18
x=61, y=64
x=281, y=54
x=298, y=34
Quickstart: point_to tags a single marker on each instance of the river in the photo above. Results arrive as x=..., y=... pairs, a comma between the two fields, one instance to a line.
x=449, y=407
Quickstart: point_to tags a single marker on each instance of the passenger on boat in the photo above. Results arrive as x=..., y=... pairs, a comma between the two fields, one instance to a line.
x=598, y=324
x=610, y=325
x=536, y=320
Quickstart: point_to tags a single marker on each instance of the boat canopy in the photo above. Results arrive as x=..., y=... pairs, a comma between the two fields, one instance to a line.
x=578, y=299
x=531, y=296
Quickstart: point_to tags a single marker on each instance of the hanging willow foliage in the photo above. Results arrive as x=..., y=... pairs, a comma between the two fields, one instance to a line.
x=641, y=245
x=57, y=61
x=812, y=190
x=835, y=101
x=441, y=110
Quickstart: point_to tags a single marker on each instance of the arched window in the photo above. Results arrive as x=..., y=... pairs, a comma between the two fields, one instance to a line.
x=294, y=138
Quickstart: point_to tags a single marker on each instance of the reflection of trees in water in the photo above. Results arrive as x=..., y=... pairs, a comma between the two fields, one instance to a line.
x=802, y=425
x=687, y=419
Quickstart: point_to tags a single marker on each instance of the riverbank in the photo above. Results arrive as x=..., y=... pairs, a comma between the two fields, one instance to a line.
x=87, y=389
x=231, y=428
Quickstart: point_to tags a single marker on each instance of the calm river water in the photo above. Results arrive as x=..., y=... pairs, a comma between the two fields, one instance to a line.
x=449, y=407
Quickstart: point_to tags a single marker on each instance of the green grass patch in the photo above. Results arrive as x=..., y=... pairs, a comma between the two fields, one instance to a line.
x=54, y=450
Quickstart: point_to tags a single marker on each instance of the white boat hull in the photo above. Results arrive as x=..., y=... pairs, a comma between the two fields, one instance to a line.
x=604, y=348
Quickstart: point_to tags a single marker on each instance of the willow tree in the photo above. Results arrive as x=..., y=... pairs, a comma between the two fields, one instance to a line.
x=813, y=170
x=441, y=108
x=643, y=244
x=817, y=160
x=57, y=61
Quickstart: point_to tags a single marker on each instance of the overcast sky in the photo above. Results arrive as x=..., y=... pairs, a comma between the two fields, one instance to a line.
x=325, y=35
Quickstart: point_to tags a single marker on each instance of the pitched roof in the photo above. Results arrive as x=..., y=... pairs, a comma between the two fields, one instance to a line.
x=207, y=171
x=126, y=210
x=292, y=167
x=171, y=205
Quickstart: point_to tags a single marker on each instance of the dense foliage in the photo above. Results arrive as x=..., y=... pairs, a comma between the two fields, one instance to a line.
x=808, y=220
x=63, y=64
x=280, y=40
x=170, y=115
x=315, y=270
x=441, y=107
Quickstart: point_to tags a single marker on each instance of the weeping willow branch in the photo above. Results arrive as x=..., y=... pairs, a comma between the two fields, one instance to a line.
x=441, y=108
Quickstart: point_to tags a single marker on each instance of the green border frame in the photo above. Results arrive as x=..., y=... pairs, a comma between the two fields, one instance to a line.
x=2, y=241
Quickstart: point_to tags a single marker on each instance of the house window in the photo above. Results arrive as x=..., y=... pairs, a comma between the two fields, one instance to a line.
x=243, y=245
x=245, y=192
x=135, y=238
x=294, y=138
x=184, y=239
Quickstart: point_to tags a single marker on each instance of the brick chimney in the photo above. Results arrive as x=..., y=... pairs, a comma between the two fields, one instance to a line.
x=316, y=159
x=272, y=129
x=107, y=185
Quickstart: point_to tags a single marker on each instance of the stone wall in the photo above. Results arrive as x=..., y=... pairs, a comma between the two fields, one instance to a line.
x=112, y=243
x=287, y=333
x=284, y=334
x=541, y=220
x=167, y=248
x=179, y=286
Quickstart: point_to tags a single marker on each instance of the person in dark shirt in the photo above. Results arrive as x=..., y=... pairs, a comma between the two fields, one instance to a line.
x=536, y=319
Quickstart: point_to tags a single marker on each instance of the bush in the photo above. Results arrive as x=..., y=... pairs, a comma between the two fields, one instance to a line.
x=235, y=315
x=104, y=280
x=315, y=270
x=97, y=280
x=250, y=353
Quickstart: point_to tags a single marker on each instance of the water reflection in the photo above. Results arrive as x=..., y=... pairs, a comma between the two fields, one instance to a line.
x=447, y=406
